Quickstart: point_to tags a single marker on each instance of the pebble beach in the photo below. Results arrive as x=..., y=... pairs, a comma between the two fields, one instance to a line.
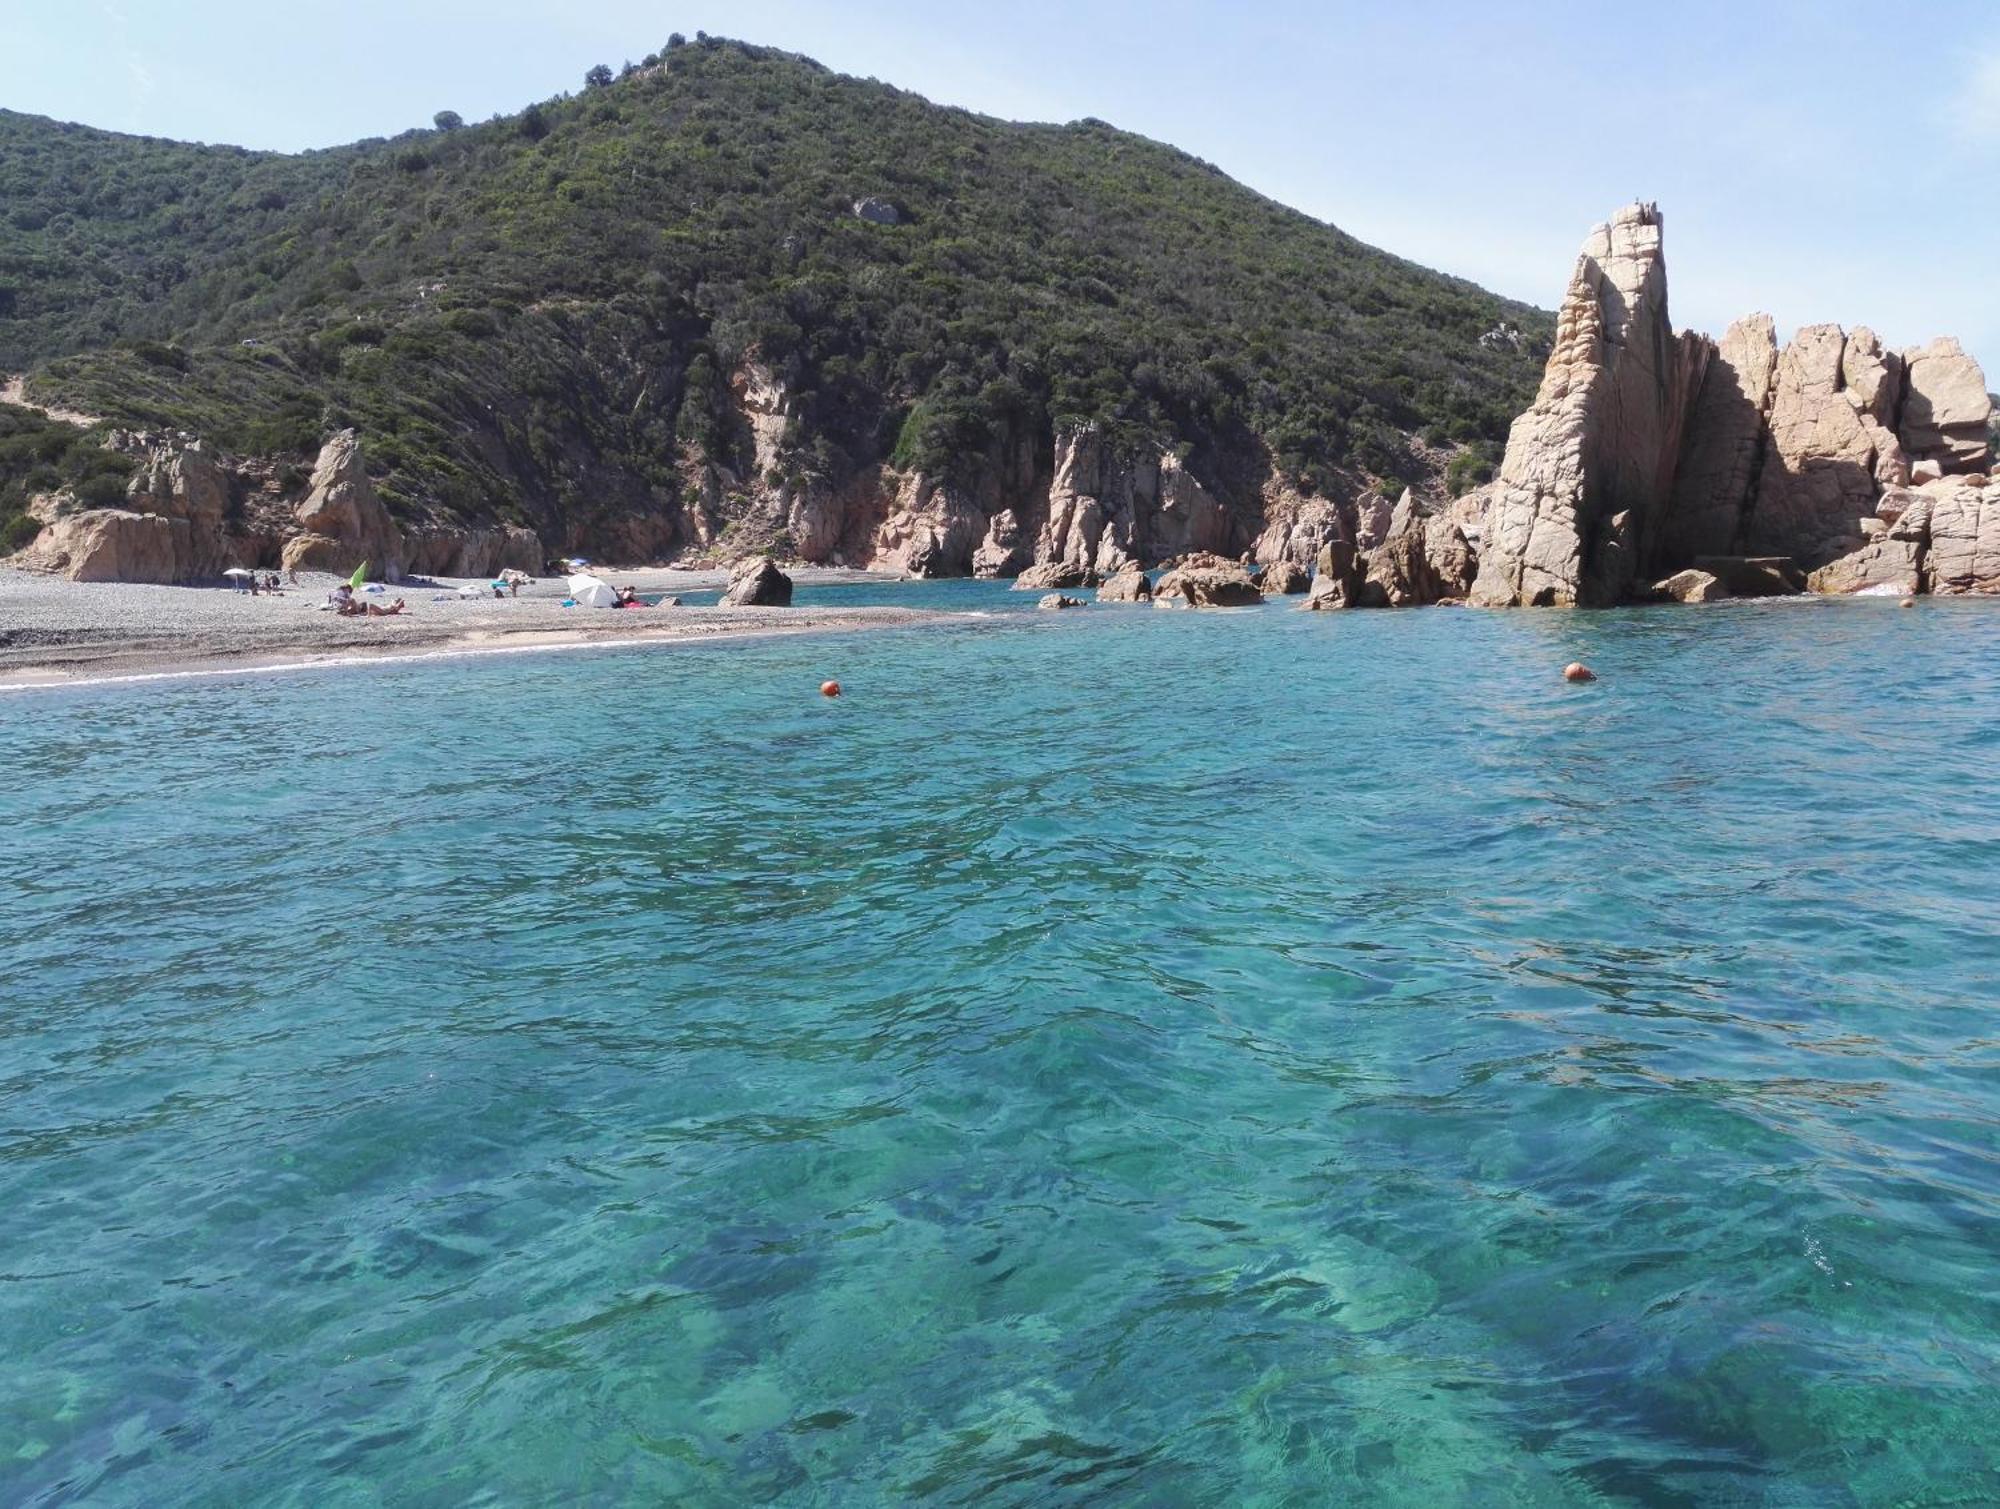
x=54, y=631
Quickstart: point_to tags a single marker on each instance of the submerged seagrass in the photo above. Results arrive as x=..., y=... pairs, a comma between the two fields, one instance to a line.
x=1026, y=1079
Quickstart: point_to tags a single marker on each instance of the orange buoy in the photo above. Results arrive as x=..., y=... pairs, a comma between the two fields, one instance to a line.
x=1576, y=670
x=829, y=688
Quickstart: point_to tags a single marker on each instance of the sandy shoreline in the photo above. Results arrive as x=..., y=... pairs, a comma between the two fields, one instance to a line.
x=60, y=633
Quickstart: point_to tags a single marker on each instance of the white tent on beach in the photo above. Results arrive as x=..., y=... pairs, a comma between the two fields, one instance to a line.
x=592, y=592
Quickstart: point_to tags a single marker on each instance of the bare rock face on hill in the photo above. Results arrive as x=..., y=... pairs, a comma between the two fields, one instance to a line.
x=344, y=521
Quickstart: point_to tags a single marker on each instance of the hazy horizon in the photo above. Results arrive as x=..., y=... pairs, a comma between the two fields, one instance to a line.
x=1727, y=121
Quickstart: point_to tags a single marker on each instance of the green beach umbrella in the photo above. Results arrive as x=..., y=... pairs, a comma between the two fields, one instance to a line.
x=360, y=576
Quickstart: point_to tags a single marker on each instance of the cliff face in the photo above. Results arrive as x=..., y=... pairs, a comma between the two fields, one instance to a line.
x=1645, y=452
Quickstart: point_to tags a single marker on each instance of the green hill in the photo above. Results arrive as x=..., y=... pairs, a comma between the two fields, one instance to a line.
x=536, y=318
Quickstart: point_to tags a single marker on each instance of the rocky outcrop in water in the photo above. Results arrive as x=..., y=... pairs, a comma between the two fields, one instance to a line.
x=757, y=583
x=1128, y=586
x=1204, y=580
x=1590, y=466
x=1647, y=453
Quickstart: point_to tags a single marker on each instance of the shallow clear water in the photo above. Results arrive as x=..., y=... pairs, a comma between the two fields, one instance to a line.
x=1110, y=1057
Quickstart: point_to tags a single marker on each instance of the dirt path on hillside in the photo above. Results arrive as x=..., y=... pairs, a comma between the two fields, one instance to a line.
x=14, y=390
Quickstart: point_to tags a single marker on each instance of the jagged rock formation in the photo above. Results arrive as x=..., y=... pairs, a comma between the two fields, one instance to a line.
x=1591, y=464
x=1646, y=453
x=1423, y=559
x=344, y=521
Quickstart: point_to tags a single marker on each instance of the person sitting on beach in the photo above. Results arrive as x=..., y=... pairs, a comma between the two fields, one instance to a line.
x=628, y=597
x=341, y=600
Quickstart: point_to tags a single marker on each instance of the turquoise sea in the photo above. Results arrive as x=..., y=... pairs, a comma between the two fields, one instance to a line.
x=1117, y=1057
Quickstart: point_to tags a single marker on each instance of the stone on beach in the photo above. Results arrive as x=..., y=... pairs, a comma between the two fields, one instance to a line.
x=1057, y=600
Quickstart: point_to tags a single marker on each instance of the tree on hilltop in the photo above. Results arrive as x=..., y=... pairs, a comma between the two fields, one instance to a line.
x=597, y=78
x=447, y=120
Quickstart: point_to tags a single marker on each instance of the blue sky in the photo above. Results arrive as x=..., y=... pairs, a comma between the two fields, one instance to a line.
x=1824, y=161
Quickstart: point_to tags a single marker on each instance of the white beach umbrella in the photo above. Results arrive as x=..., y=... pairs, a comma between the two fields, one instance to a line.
x=592, y=592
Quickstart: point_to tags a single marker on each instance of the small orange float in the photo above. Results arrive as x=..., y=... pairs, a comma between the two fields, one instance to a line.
x=1576, y=670
x=829, y=688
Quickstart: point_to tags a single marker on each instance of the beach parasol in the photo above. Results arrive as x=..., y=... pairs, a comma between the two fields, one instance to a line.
x=239, y=571
x=360, y=576
x=591, y=592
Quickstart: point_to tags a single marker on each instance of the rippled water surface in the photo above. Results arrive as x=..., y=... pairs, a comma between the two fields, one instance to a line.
x=1108, y=1057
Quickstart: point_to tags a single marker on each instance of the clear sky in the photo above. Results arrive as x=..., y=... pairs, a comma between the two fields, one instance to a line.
x=1821, y=159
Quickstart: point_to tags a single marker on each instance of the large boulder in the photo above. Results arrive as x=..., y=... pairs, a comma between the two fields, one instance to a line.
x=341, y=505
x=1589, y=468
x=1954, y=526
x=1823, y=454
x=1205, y=580
x=1058, y=600
x=757, y=583
x=1691, y=586
x=1284, y=578
x=1946, y=407
x=1055, y=574
x=1004, y=550
x=1881, y=565
x=171, y=530
x=112, y=545
x=1126, y=587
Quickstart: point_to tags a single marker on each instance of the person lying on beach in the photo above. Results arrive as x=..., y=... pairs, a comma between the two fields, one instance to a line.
x=344, y=602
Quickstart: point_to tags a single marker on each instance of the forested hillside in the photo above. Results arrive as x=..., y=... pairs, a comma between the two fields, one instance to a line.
x=540, y=317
